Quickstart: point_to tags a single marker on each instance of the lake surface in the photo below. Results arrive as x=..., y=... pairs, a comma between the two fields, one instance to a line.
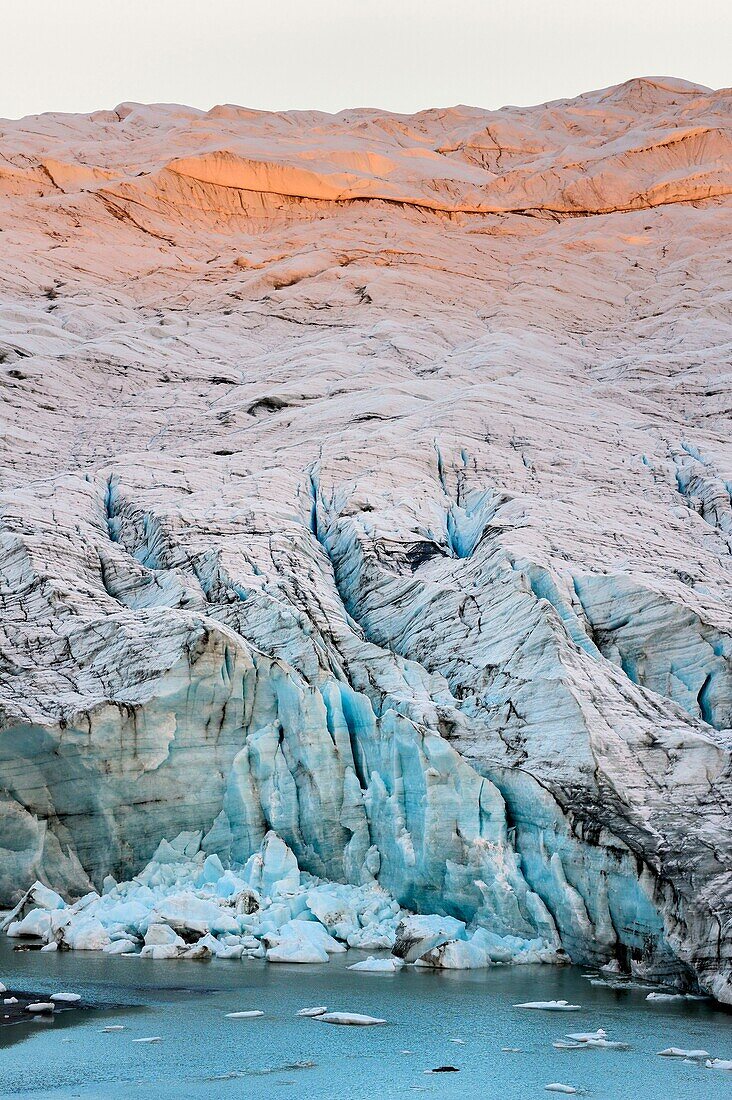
x=204, y=1055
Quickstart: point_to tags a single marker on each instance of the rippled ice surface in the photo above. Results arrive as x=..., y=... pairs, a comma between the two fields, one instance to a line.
x=204, y=1055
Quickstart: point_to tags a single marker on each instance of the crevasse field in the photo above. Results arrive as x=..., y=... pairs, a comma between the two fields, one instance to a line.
x=365, y=596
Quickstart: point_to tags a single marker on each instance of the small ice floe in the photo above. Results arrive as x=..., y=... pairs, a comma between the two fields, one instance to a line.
x=312, y=1011
x=10, y=1000
x=551, y=1006
x=114, y=1027
x=372, y=965
x=3, y=988
x=557, y=1086
x=40, y=1006
x=460, y=1041
x=688, y=1055
x=590, y=1044
x=718, y=1063
x=586, y=1036
x=511, y=1050
x=244, y=1015
x=666, y=998
x=149, y=1039
x=66, y=998
x=354, y=1019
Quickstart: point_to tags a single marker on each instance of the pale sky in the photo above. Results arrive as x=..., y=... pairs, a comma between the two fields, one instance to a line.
x=403, y=55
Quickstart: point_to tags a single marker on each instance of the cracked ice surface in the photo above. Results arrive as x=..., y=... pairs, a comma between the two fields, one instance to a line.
x=354, y=491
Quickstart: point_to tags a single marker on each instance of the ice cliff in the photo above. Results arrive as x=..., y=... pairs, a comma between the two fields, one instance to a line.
x=367, y=481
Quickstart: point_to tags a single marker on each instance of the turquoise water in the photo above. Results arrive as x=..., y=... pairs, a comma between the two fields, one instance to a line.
x=204, y=1055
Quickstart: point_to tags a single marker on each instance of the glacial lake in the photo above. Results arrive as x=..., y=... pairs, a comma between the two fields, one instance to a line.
x=205, y=1055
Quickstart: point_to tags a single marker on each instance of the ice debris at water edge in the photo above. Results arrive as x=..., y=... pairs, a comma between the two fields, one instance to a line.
x=185, y=904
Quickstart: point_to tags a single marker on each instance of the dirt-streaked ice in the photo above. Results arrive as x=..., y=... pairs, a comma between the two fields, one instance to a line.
x=366, y=484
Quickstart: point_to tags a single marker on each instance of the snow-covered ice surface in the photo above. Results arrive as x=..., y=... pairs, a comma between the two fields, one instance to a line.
x=367, y=480
x=200, y=1049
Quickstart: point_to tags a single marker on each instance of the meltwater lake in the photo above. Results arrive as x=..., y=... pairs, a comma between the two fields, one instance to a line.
x=203, y=1054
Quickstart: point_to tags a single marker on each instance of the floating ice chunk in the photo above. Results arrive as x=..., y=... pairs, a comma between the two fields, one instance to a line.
x=250, y=1015
x=35, y=923
x=301, y=941
x=511, y=1050
x=114, y=1027
x=372, y=965
x=40, y=1006
x=455, y=955
x=149, y=1039
x=372, y=938
x=3, y=988
x=314, y=932
x=460, y=1041
x=309, y=1012
x=297, y=950
x=660, y=998
x=187, y=913
x=569, y=1090
x=550, y=1006
x=158, y=935
x=587, y=1036
x=161, y=951
x=718, y=1063
x=10, y=1000
x=690, y=1055
x=415, y=936
x=84, y=932
x=67, y=998
x=354, y=1019
x=120, y=947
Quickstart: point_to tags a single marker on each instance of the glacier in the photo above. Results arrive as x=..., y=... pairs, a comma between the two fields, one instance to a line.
x=366, y=499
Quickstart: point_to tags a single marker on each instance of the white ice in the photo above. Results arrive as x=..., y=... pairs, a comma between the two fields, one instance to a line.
x=373, y=965
x=186, y=904
x=677, y=1052
x=354, y=1019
